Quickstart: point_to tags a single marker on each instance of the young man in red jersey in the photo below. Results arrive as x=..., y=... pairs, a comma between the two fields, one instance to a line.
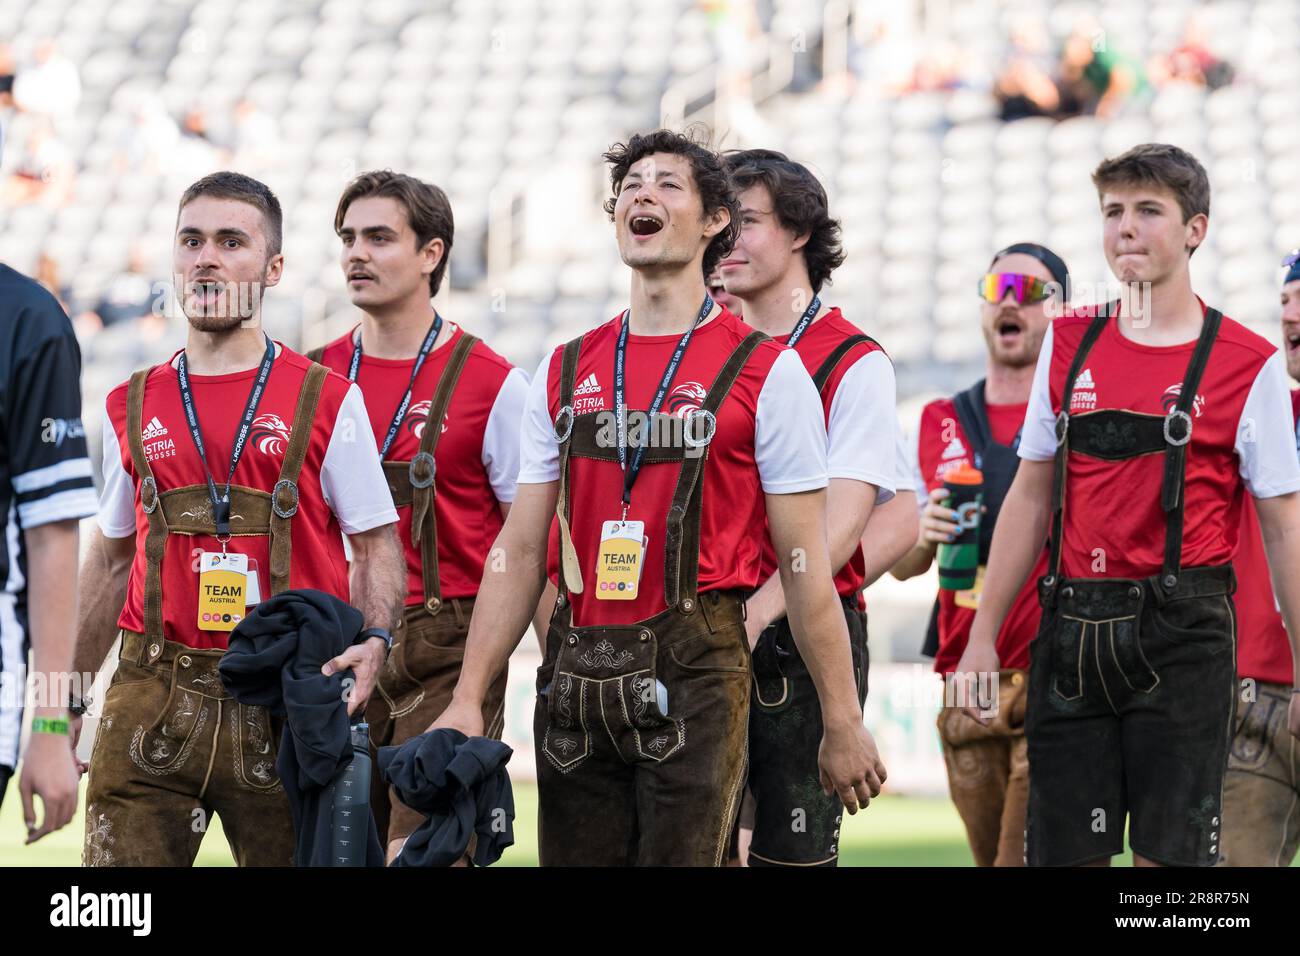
x=786, y=251
x=644, y=691
x=240, y=453
x=1148, y=420
x=1261, y=790
x=988, y=769
x=445, y=412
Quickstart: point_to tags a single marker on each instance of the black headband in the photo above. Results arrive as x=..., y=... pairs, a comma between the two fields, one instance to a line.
x=1055, y=264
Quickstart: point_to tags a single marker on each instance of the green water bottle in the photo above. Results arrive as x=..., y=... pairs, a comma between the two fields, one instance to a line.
x=959, y=559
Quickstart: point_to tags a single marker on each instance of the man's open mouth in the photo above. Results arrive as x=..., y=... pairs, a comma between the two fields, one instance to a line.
x=645, y=225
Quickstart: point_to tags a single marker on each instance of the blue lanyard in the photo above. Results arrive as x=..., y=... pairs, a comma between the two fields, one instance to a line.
x=425, y=348
x=805, y=320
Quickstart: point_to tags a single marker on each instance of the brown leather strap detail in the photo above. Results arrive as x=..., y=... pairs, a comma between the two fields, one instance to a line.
x=155, y=543
x=594, y=437
x=682, y=544
x=398, y=474
x=569, y=577
x=424, y=519
x=285, y=495
x=316, y=355
x=188, y=510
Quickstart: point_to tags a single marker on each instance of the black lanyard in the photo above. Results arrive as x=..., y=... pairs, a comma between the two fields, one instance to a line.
x=221, y=503
x=805, y=320
x=631, y=470
x=425, y=348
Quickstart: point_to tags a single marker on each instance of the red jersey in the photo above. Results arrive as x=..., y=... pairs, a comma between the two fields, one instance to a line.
x=477, y=458
x=770, y=438
x=341, y=487
x=1242, y=440
x=942, y=445
x=858, y=403
x=1263, y=650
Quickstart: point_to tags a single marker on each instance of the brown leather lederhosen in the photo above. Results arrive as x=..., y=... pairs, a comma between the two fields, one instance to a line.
x=598, y=716
x=1132, y=681
x=417, y=681
x=172, y=743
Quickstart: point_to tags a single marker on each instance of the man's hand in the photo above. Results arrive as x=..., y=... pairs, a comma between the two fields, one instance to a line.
x=74, y=734
x=365, y=660
x=850, y=765
x=754, y=625
x=49, y=771
x=463, y=716
x=978, y=658
x=938, y=524
x=1293, y=716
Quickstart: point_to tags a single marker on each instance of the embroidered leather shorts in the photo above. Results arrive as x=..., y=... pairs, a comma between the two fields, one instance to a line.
x=640, y=735
x=1261, y=792
x=1130, y=713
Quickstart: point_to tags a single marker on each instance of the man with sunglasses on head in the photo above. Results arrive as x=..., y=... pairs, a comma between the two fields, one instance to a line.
x=988, y=770
x=1150, y=418
x=1261, y=789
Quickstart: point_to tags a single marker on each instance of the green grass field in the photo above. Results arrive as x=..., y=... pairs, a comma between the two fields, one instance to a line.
x=895, y=831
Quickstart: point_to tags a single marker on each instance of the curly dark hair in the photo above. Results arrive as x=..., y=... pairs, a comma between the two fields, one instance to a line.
x=706, y=167
x=799, y=202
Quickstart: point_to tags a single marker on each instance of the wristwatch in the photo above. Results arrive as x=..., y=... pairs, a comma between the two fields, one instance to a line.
x=77, y=706
x=370, y=632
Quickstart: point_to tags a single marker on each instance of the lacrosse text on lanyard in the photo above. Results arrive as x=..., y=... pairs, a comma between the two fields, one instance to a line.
x=425, y=348
x=623, y=543
x=227, y=582
x=805, y=320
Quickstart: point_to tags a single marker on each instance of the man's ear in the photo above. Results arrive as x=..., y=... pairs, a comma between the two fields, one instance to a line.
x=273, y=271
x=1197, y=227
x=718, y=221
x=431, y=255
x=800, y=241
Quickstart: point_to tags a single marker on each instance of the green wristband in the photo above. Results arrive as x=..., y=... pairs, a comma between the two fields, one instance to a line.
x=50, y=725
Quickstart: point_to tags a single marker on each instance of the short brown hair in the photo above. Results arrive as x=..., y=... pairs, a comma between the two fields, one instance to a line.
x=706, y=167
x=799, y=202
x=428, y=210
x=228, y=185
x=1159, y=164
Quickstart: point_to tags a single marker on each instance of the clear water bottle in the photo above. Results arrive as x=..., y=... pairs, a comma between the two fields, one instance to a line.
x=350, y=803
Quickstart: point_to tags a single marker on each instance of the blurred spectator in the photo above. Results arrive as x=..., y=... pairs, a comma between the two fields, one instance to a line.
x=50, y=87
x=1191, y=62
x=253, y=138
x=1095, y=78
x=148, y=142
x=942, y=66
x=129, y=295
x=7, y=68
x=47, y=274
x=44, y=170
x=1025, y=86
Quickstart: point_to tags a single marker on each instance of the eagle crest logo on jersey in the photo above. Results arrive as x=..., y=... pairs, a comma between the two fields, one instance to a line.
x=1170, y=398
x=416, y=418
x=686, y=398
x=269, y=434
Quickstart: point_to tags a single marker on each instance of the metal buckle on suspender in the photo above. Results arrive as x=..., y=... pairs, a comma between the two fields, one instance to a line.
x=688, y=430
x=565, y=413
x=292, y=488
x=151, y=486
x=1175, y=413
x=425, y=460
x=1062, y=427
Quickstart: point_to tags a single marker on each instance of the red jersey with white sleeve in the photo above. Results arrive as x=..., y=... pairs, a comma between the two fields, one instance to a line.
x=1263, y=650
x=341, y=487
x=770, y=439
x=477, y=458
x=942, y=446
x=859, y=406
x=1242, y=441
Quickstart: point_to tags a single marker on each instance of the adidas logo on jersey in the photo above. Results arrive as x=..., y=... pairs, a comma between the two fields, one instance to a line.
x=955, y=449
x=589, y=386
x=1084, y=398
x=155, y=429
x=1085, y=379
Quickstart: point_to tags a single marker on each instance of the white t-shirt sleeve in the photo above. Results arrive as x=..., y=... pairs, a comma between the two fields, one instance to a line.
x=918, y=479
x=789, y=430
x=1266, y=439
x=1038, y=439
x=904, y=473
x=116, y=514
x=861, y=425
x=539, y=452
x=500, y=455
x=351, y=477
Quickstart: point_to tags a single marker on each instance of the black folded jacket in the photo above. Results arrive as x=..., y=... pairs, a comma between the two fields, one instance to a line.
x=462, y=784
x=274, y=660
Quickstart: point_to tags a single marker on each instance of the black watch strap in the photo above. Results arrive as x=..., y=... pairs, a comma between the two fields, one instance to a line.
x=370, y=632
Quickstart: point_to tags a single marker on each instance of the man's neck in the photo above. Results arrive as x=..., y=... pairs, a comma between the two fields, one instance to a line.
x=398, y=334
x=1164, y=313
x=1007, y=384
x=225, y=353
x=777, y=308
x=667, y=304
